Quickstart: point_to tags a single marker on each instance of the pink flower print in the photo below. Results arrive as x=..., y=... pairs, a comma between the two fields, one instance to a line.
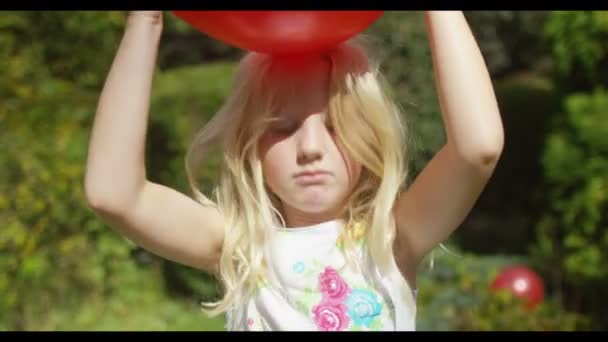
x=330, y=316
x=332, y=286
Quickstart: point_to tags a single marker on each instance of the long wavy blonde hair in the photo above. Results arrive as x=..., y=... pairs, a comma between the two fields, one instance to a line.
x=368, y=124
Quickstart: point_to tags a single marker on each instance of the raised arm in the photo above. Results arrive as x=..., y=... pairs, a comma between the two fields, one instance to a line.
x=116, y=166
x=159, y=219
x=445, y=191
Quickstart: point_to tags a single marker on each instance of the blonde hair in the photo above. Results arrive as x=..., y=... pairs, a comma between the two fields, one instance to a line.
x=367, y=123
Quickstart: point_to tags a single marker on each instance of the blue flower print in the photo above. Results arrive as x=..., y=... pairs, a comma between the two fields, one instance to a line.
x=363, y=307
x=298, y=267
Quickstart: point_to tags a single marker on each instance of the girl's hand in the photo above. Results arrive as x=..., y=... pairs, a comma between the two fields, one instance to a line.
x=152, y=17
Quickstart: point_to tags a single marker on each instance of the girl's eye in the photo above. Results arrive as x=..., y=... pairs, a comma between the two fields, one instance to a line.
x=284, y=127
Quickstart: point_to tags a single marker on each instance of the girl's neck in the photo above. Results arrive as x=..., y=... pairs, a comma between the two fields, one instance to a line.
x=308, y=223
x=296, y=219
x=329, y=225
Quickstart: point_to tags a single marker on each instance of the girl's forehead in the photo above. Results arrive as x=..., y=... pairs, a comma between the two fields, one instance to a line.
x=302, y=86
x=299, y=69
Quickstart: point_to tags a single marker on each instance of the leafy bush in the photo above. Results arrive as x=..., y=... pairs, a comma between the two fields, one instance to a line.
x=455, y=295
x=54, y=252
x=578, y=43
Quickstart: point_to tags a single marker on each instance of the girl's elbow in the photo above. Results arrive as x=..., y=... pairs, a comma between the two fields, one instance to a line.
x=482, y=154
x=489, y=158
x=490, y=145
x=488, y=152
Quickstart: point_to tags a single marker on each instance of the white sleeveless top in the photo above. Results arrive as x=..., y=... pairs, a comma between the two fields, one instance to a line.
x=311, y=288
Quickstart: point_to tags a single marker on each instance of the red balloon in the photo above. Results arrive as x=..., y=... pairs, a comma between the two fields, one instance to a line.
x=523, y=282
x=280, y=32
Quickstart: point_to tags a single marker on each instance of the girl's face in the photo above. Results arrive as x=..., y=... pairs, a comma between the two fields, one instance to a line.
x=302, y=140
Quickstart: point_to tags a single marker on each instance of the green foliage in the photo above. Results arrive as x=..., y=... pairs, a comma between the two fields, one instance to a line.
x=81, y=42
x=455, y=295
x=182, y=45
x=142, y=304
x=512, y=201
x=511, y=41
x=183, y=100
x=63, y=268
x=579, y=40
x=52, y=246
x=504, y=312
x=573, y=235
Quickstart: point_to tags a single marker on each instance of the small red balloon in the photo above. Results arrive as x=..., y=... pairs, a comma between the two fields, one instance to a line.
x=523, y=282
x=280, y=32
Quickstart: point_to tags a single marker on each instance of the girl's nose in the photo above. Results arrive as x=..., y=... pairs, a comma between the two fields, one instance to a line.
x=310, y=140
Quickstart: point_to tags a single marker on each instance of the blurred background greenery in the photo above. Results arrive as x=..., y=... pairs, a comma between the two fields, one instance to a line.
x=547, y=205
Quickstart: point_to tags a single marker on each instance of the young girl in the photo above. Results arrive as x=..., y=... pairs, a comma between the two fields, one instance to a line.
x=311, y=226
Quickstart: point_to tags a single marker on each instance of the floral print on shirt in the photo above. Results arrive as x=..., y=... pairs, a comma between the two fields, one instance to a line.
x=363, y=307
x=342, y=307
